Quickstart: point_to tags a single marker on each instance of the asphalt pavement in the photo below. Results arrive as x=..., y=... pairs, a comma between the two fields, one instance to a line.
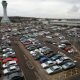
x=28, y=68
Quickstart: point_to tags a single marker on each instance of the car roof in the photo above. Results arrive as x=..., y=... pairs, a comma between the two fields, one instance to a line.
x=51, y=54
x=43, y=58
x=11, y=61
x=13, y=67
x=15, y=75
x=48, y=70
x=7, y=59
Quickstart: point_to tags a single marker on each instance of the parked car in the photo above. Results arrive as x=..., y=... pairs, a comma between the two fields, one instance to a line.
x=7, y=50
x=71, y=51
x=48, y=51
x=8, y=55
x=57, y=56
x=43, y=59
x=62, y=60
x=38, y=45
x=50, y=55
x=38, y=56
x=47, y=64
x=53, y=69
x=11, y=69
x=16, y=76
x=68, y=65
x=35, y=53
x=4, y=46
x=9, y=63
x=43, y=49
x=9, y=59
x=27, y=43
x=62, y=46
x=67, y=49
x=31, y=48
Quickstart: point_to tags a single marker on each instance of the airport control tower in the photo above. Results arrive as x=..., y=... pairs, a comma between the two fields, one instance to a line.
x=5, y=18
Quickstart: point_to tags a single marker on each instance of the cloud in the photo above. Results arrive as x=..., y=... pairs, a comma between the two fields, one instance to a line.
x=75, y=9
x=70, y=1
x=43, y=8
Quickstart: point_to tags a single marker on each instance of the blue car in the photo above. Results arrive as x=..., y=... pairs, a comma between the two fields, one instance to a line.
x=57, y=56
x=43, y=59
x=38, y=57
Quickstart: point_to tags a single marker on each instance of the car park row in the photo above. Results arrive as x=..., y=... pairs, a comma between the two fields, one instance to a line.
x=50, y=61
x=60, y=41
x=9, y=60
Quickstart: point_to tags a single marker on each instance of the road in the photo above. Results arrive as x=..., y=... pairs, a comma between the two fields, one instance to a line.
x=27, y=65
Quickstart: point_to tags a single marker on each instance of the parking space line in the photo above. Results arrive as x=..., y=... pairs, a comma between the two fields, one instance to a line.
x=25, y=57
x=65, y=75
x=76, y=70
x=29, y=64
x=37, y=75
x=71, y=72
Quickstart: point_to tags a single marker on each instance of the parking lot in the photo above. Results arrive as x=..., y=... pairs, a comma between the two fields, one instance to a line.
x=66, y=74
x=9, y=67
x=45, y=53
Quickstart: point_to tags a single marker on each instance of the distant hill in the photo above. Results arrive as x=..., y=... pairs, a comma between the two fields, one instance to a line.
x=19, y=19
x=23, y=19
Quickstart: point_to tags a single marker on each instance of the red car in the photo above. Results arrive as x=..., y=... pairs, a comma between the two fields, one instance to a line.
x=9, y=59
x=0, y=59
x=68, y=48
x=15, y=59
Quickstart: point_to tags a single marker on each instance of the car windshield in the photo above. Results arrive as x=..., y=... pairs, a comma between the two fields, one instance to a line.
x=52, y=68
x=12, y=69
x=66, y=64
x=69, y=63
x=56, y=56
x=56, y=67
x=52, y=55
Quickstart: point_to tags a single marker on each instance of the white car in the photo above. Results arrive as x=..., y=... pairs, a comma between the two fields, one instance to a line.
x=5, y=55
x=53, y=69
x=68, y=65
x=48, y=37
x=9, y=63
x=43, y=49
x=71, y=51
x=10, y=52
x=7, y=49
x=37, y=50
x=31, y=39
x=59, y=61
x=61, y=45
x=48, y=64
x=10, y=70
x=33, y=53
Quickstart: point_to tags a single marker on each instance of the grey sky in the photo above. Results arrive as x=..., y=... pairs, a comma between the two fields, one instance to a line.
x=43, y=8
